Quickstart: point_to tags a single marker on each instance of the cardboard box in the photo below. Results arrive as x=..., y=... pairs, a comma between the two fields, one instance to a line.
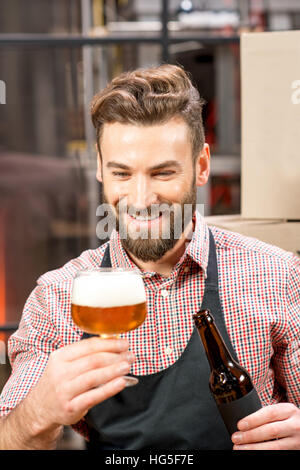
x=285, y=235
x=270, y=86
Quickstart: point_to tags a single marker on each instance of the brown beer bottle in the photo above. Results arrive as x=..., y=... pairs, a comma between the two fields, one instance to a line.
x=229, y=383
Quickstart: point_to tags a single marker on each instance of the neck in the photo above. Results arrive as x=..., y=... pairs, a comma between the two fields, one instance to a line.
x=164, y=265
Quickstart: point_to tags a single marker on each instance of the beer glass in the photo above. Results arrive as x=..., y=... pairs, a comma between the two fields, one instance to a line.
x=108, y=302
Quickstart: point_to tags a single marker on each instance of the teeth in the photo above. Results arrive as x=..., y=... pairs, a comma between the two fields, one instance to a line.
x=139, y=217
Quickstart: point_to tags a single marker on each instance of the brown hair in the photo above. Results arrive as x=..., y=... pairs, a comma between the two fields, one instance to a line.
x=150, y=96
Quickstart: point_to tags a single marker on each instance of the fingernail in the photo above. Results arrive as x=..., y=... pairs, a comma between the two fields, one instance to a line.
x=124, y=367
x=236, y=437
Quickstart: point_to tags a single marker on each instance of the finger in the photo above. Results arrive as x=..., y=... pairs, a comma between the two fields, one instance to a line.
x=91, y=398
x=279, y=444
x=91, y=346
x=266, y=432
x=268, y=414
x=95, y=378
x=97, y=361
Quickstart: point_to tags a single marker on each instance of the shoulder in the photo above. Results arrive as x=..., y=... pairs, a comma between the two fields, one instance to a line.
x=233, y=243
x=87, y=259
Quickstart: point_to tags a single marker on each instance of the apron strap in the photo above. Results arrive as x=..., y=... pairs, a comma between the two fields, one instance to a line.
x=212, y=266
x=211, y=299
x=106, y=261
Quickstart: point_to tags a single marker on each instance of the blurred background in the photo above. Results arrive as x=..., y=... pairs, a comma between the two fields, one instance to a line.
x=54, y=56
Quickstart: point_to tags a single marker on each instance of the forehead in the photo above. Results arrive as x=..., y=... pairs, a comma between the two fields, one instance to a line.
x=146, y=142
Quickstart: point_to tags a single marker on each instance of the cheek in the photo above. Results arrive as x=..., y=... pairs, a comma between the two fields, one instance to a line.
x=111, y=193
x=112, y=190
x=174, y=190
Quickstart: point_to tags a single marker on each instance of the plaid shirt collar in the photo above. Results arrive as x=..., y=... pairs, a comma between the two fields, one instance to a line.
x=197, y=249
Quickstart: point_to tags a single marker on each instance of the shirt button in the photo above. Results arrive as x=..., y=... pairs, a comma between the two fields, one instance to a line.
x=168, y=351
x=164, y=293
x=186, y=269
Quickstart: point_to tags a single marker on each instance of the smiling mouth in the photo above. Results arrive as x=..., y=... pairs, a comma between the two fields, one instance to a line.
x=145, y=218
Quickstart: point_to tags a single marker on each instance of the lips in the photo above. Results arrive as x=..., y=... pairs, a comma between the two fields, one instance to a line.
x=144, y=221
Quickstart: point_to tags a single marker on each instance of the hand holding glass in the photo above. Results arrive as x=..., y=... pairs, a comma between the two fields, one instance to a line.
x=108, y=302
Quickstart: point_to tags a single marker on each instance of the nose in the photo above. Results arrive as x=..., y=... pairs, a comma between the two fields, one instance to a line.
x=141, y=194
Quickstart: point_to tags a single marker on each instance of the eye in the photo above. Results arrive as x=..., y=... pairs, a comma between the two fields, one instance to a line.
x=120, y=174
x=165, y=173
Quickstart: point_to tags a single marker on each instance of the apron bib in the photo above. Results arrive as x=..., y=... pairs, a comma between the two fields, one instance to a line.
x=171, y=409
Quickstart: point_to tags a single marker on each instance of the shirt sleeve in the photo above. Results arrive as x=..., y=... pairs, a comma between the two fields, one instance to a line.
x=28, y=351
x=287, y=351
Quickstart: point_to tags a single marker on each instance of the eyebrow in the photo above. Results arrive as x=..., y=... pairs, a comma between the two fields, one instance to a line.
x=114, y=164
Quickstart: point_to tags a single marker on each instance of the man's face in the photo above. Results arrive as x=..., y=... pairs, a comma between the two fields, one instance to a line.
x=149, y=178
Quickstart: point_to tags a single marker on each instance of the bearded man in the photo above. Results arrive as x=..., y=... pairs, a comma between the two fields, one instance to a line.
x=152, y=156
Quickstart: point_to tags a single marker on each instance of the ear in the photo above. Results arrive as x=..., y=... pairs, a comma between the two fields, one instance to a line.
x=99, y=168
x=202, y=168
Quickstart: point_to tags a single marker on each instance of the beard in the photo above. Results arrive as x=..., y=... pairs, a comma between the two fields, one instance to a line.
x=175, y=218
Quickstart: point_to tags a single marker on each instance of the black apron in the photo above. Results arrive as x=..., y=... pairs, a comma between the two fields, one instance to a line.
x=171, y=409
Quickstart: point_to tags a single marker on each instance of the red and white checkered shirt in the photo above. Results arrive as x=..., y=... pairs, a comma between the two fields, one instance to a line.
x=259, y=292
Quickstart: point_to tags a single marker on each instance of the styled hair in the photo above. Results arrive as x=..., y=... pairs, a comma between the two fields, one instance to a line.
x=150, y=96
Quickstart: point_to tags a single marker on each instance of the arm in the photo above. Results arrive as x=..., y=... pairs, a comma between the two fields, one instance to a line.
x=18, y=430
x=51, y=385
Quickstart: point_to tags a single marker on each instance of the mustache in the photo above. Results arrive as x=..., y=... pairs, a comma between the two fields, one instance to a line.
x=153, y=210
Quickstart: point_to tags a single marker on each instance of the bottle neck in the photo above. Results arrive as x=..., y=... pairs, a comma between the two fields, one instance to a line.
x=217, y=352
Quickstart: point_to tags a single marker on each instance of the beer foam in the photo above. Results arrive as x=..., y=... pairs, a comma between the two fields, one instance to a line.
x=108, y=289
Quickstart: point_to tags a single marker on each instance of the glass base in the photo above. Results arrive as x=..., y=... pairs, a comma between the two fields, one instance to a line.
x=130, y=381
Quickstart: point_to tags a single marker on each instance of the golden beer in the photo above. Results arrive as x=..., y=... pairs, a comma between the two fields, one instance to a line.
x=108, y=301
x=109, y=320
